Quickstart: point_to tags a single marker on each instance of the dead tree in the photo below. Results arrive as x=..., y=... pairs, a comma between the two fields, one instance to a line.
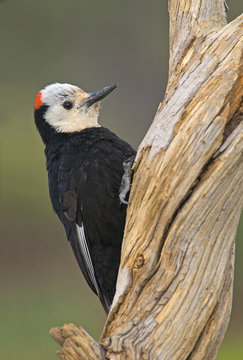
x=174, y=289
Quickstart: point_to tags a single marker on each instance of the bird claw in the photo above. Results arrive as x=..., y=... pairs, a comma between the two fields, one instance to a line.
x=126, y=179
x=122, y=200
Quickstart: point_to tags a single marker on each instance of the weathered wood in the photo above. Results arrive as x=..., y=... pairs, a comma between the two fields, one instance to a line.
x=190, y=20
x=174, y=288
x=76, y=344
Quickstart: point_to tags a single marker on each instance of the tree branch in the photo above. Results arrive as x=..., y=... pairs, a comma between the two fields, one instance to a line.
x=174, y=288
x=190, y=20
x=76, y=344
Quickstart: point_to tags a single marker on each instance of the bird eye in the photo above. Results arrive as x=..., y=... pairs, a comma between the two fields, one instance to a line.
x=67, y=105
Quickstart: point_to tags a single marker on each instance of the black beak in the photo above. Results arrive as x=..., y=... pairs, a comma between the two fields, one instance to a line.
x=99, y=95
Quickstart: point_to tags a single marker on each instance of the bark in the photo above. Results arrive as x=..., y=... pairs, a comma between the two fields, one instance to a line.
x=76, y=344
x=174, y=288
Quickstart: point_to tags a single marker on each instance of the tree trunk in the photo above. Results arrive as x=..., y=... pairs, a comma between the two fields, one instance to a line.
x=174, y=288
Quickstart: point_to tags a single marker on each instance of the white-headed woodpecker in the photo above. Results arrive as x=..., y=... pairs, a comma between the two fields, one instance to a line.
x=85, y=168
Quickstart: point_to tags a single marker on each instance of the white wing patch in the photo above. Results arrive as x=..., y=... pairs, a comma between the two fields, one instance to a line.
x=86, y=255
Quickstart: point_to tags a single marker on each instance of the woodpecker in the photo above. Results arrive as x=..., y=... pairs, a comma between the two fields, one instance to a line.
x=84, y=162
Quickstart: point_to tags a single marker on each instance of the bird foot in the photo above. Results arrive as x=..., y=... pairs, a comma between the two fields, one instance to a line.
x=126, y=179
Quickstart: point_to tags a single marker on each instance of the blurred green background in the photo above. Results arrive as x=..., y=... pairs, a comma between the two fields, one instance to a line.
x=90, y=44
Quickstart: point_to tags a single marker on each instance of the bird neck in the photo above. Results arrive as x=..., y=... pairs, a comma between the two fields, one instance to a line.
x=47, y=132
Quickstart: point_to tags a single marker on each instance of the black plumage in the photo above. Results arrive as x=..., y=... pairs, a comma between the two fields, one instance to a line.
x=85, y=169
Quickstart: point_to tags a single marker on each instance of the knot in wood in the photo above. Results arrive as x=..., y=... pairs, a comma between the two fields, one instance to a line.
x=139, y=261
x=106, y=342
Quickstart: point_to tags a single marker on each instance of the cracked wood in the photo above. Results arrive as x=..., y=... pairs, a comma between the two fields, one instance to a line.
x=174, y=287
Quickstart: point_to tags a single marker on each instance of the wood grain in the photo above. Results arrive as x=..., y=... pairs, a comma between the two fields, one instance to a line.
x=174, y=288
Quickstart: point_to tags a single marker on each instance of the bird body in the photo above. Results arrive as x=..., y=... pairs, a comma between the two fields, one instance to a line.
x=85, y=168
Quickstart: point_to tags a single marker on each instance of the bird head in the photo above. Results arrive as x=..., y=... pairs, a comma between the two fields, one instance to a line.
x=67, y=108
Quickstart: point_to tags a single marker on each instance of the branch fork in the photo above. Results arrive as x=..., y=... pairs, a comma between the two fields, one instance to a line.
x=174, y=288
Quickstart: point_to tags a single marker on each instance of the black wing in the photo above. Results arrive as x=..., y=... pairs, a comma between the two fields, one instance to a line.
x=72, y=211
x=89, y=180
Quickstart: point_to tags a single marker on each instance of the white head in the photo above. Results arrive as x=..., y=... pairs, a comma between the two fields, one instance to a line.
x=69, y=108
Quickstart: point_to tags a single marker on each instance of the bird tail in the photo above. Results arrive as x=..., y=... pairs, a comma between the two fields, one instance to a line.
x=81, y=252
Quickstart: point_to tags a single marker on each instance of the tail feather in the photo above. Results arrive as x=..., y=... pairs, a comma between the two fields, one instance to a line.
x=81, y=252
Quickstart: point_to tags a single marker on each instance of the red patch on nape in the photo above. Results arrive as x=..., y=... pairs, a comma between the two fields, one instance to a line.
x=38, y=101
